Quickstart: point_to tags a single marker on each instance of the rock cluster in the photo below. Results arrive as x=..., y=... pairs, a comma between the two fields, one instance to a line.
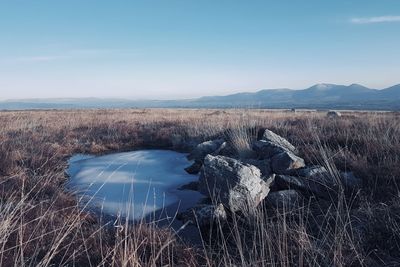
x=276, y=176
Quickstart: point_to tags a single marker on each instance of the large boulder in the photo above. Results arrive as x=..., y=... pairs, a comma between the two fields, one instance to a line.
x=236, y=185
x=285, y=162
x=205, y=148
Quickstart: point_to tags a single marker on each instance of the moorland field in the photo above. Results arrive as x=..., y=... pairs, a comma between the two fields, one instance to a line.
x=42, y=225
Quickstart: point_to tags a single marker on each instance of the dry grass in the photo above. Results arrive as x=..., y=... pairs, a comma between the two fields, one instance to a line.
x=40, y=223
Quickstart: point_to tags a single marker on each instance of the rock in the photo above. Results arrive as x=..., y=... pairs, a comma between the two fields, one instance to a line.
x=226, y=149
x=190, y=186
x=267, y=149
x=285, y=162
x=286, y=199
x=321, y=185
x=204, y=215
x=220, y=148
x=194, y=168
x=263, y=165
x=278, y=140
x=270, y=181
x=236, y=185
x=309, y=171
x=333, y=114
x=290, y=182
x=271, y=144
x=204, y=149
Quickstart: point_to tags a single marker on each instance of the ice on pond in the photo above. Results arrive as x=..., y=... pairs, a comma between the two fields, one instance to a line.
x=133, y=184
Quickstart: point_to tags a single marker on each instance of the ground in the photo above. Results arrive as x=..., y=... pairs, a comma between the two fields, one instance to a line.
x=40, y=223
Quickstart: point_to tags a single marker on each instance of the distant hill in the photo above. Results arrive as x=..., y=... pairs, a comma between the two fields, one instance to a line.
x=321, y=96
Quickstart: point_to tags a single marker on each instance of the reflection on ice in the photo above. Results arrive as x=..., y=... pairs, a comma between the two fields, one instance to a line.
x=133, y=184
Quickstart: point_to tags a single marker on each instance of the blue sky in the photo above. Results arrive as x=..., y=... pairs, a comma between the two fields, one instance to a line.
x=186, y=48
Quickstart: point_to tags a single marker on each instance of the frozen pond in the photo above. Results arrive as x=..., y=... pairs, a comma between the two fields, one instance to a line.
x=134, y=185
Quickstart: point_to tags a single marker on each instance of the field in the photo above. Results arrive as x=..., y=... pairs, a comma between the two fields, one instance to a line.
x=41, y=224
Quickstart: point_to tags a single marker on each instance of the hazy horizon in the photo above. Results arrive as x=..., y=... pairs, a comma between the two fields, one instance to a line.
x=186, y=49
x=181, y=98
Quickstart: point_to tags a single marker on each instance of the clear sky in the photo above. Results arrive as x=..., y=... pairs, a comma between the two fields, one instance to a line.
x=187, y=48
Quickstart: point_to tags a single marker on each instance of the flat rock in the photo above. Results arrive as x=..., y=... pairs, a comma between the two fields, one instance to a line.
x=279, y=140
x=236, y=185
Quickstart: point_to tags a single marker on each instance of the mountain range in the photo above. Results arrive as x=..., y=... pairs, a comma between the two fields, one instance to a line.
x=319, y=96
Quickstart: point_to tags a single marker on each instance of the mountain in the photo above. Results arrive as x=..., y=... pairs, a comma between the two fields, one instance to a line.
x=324, y=96
x=391, y=92
x=319, y=96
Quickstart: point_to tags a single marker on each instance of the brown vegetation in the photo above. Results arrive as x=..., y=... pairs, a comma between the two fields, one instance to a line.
x=40, y=223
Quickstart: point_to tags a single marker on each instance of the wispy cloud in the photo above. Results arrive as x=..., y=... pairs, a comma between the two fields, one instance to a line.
x=370, y=20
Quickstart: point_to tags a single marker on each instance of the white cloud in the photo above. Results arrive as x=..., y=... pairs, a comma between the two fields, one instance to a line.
x=370, y=20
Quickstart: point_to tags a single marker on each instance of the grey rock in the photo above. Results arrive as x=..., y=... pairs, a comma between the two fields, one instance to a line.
x=291, y=182
x=270, y=181
x=220, y=149
x=236, y=185
x=286, y=162
x=286, y=199
x=323, y=186
x=271, y=144
x=204, y=149
x=226, y=150
x=309, y=171
x=280, y=141
x=204, y=215
x=266, y=149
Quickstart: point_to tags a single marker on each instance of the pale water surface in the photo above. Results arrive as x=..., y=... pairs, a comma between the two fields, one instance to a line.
x=134, y=184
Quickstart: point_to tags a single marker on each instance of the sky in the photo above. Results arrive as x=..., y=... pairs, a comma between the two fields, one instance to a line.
x=174, y=49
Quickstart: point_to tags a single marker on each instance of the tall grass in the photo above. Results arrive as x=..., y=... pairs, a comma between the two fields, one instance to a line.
x=42, y=225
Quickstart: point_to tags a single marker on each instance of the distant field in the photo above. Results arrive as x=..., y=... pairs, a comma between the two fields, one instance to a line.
x=40, y=223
